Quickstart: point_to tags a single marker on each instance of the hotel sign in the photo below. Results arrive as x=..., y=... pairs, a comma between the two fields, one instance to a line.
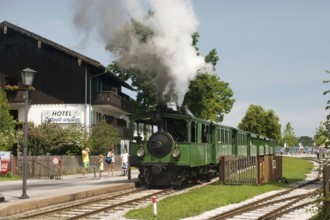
x=61, y=116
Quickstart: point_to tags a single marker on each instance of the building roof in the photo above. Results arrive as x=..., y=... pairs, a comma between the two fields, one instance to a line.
x=97, y=64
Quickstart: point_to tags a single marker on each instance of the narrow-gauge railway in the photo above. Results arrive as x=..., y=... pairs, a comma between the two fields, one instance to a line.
x=275, y=206
x=171, y=148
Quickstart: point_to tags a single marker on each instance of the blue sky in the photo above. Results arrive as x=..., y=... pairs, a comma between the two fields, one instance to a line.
x=272, y=53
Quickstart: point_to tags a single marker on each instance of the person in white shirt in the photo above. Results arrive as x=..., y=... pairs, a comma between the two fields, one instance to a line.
x=112, y=163
x=124, y=162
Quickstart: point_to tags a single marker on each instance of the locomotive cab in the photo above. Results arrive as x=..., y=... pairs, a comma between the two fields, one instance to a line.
x=155, y=147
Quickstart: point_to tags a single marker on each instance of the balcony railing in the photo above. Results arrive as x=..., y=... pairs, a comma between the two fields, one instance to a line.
x=110, y=98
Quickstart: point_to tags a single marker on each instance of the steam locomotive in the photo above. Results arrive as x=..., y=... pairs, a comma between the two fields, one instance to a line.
x=173, y=149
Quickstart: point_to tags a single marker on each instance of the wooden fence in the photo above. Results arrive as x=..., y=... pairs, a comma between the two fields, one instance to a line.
x=56, y=166
x=250, y=169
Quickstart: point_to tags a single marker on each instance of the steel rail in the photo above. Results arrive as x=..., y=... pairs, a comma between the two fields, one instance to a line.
x=78, y=204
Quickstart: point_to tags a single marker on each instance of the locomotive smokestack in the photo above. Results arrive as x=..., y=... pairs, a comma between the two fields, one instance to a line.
x=161, y=110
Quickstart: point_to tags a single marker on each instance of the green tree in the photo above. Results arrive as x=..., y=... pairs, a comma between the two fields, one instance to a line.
x=143, y=82
x=208, y=97
x=74, y=139
x=7, y=124
x=306, y=141
x=212, y=57
x=325, y=93
x=289, y=136
x=320, y=137
x=326, y=131
x=259, y=121
x=102, y=138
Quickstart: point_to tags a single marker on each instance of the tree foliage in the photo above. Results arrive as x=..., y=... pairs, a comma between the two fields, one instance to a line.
x=7, y=124
x=142, y=80
x=102, y=138
x=306, y=141
x=325, y=93
x=289, y=136
x=258, y=120
x=208, y=97
x=323, y=133
x=321, y=137
x=52, y=139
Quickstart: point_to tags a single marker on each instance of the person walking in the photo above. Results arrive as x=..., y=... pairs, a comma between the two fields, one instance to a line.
x=112, y=163
x=124, y=161
x=101, y=165
x=85, y=160
x=317, y=153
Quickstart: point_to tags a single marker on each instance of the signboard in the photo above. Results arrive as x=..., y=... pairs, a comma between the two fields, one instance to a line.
x=55, y=161
x=61, y=116
x=4, y=162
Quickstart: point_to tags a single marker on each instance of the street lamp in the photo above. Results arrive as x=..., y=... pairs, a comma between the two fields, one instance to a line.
x=27, y=79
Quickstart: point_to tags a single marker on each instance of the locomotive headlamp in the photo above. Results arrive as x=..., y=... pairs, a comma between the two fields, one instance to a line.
x=140, y=151
x=176, y=151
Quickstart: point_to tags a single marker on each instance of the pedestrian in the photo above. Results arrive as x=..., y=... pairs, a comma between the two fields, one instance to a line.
x=124, y=162
x=101, y=166
x=85, y=160
x=112, y=163
x=317, y=153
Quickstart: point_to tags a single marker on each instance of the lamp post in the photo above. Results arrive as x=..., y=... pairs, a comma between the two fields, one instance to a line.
x=27, y=79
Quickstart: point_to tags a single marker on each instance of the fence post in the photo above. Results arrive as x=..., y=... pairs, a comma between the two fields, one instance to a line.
x=222, y=169
x=326, y=189
x=129, y=168
x=60, y=162
x=257, y=170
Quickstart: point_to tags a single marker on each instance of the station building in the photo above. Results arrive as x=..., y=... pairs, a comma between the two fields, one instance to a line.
x=68, y=87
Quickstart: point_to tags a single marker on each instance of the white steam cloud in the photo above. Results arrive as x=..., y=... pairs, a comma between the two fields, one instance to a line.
x=169, y=52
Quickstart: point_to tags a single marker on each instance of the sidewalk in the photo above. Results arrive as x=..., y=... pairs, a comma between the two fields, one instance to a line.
x=52, y=191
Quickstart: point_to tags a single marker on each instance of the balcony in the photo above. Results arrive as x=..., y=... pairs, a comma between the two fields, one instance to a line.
x=15, y=97
x=110, y=98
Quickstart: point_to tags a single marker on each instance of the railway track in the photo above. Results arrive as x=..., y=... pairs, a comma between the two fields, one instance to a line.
x=97, y=207
x=108, y=206
x=283, y=204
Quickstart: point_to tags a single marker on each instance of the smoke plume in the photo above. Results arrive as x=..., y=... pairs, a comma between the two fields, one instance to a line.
x=168, y=52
